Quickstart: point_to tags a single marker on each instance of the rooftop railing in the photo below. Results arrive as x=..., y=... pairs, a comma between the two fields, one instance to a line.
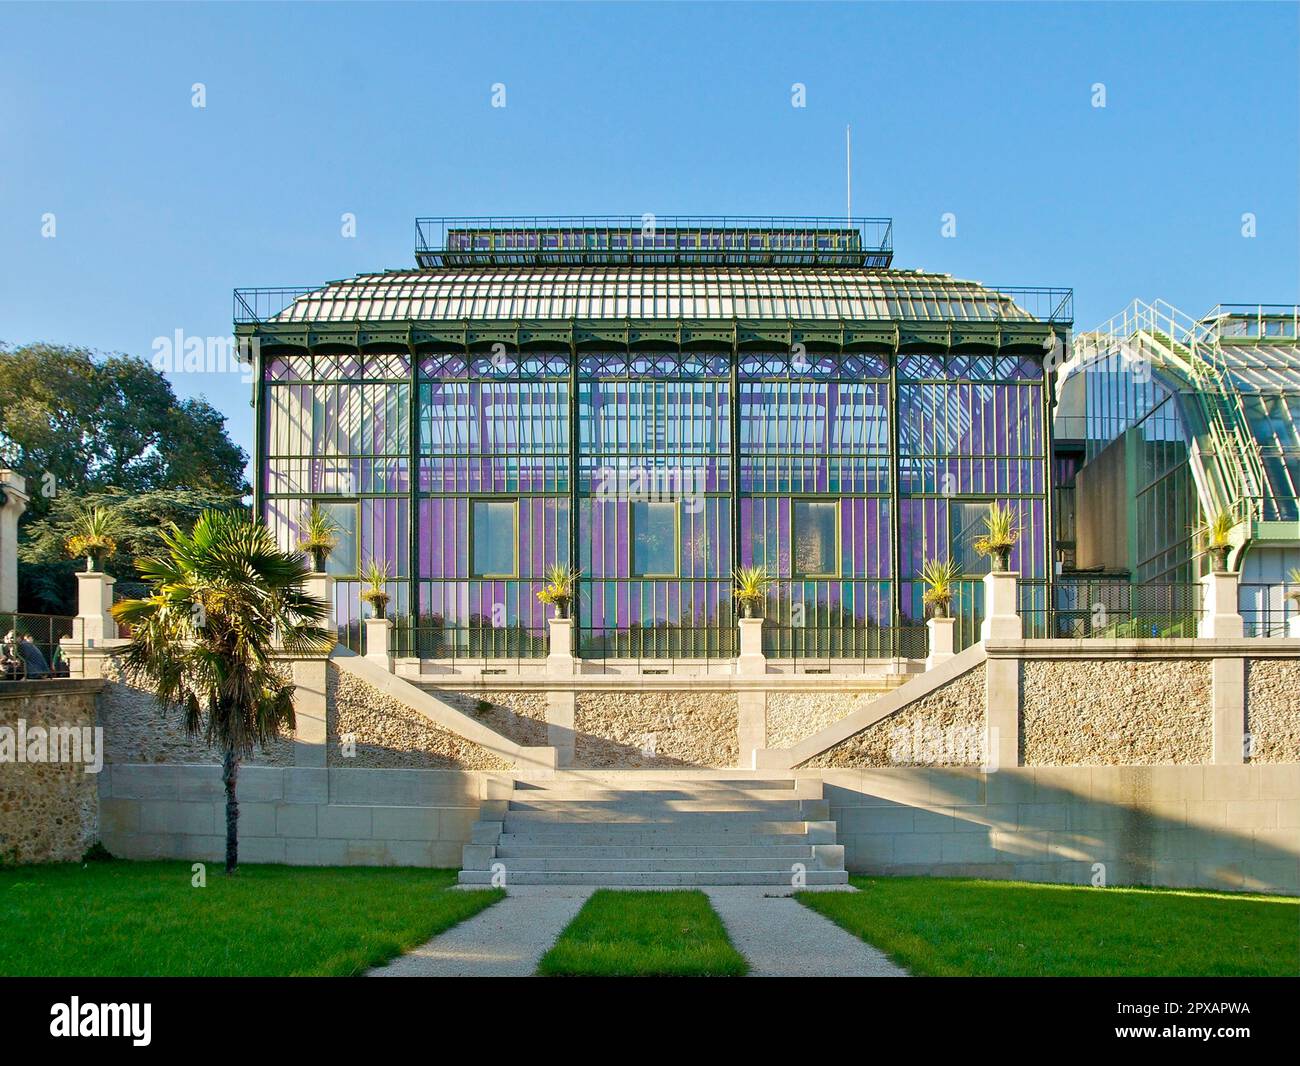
x=654, y=239
x=261, y=305
x=1042, y=304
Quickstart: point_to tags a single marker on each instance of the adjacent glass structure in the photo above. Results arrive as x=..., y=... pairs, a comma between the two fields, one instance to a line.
x=1162, y=421
x=656, y=409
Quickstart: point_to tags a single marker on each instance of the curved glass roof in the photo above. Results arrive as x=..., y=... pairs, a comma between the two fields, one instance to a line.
x=1261, y=367
x=652, y=293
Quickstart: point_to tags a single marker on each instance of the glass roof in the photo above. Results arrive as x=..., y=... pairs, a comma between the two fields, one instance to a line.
x=657, y=293
x=1262, y=367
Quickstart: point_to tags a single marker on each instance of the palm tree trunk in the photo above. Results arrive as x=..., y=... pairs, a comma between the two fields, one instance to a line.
x=229, y=770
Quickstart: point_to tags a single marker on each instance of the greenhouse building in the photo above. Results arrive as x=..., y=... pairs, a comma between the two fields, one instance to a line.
x=655, y=403
x=1161, y=422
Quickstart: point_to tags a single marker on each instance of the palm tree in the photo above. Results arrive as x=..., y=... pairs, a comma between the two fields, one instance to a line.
x=204, y=639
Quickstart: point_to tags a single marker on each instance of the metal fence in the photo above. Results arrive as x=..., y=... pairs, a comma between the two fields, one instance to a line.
x=1115, y=608
x=664, y=648
x=43, y=632
x=413, y=638
x=1265, y=608
x=832, y=646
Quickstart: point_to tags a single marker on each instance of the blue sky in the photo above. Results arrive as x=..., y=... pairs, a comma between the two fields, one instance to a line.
x=984, y=111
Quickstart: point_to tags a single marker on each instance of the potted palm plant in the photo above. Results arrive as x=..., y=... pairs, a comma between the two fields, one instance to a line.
x=319, y=536
x=375, y=592
x=1001, y=531
x=92, y=536
x=558, y=590
x=1217, y=536
x=751, y=588
x=940, y=580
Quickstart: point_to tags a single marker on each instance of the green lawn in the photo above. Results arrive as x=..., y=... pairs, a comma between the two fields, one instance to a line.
x=644, y=934
x=145, y=919
x=950, y=927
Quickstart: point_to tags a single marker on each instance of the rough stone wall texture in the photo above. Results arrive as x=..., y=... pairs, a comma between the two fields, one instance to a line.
x=1273, y=709
x=795, y=716
x=945, y=728
x=390, y=734
x=1136, y=712
x=136, y=730
x=688, y=729
x=521, y=716
x=49, y=811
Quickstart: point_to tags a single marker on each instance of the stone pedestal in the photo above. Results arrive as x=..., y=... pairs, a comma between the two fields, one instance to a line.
x=751, y=727
x=940, y=642
x=1001, y=611
x=13, y=488
x=321, y=587
x=1220, y=616
x=751, y=662
x=310, y=709
x=561, y=707
x=94, y=624
x=559, y=659
x=379, y=650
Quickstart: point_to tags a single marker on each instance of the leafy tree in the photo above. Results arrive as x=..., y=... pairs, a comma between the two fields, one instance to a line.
x=105, y=429
x=202, y=639
x=98, y=422
x=140, y=523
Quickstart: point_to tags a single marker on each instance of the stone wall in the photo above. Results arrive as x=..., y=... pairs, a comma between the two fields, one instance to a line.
x=944, y=728
x=388, y=733
x=515, y=713
x=795, y=716
x=302, y=816
x=1114, y=712
x=137, y=730
x=614, y=729
x=48, y=810
x=1219, y=827
x=1273, y=710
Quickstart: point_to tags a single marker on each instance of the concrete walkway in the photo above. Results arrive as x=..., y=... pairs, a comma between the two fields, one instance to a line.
x=505, y=940
x=782, y=938
x=778, y=935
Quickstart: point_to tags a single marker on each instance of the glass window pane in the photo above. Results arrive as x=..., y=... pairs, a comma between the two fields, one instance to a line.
x=492, y=525
x=815, y=524
x=342, y=561
x=654, y=539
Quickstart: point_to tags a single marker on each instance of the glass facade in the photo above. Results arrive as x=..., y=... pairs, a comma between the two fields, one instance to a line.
x=473, y=424
x=457, y=472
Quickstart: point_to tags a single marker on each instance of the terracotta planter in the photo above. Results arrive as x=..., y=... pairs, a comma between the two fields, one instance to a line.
x=379, y=604
x=561, y=608
x=1003, y=557
x=1219, y=559
x=318, y=557
x=939, y=610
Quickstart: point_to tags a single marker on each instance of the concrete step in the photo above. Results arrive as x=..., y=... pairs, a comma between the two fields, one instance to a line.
x=586, y=865
x=651, y=851
x=522, y=812
x=668, y=778
x=655, y=878
x=599, y=794
x=662, y=837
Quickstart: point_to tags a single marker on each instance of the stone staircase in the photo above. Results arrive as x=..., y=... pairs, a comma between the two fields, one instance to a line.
x=656, y=828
